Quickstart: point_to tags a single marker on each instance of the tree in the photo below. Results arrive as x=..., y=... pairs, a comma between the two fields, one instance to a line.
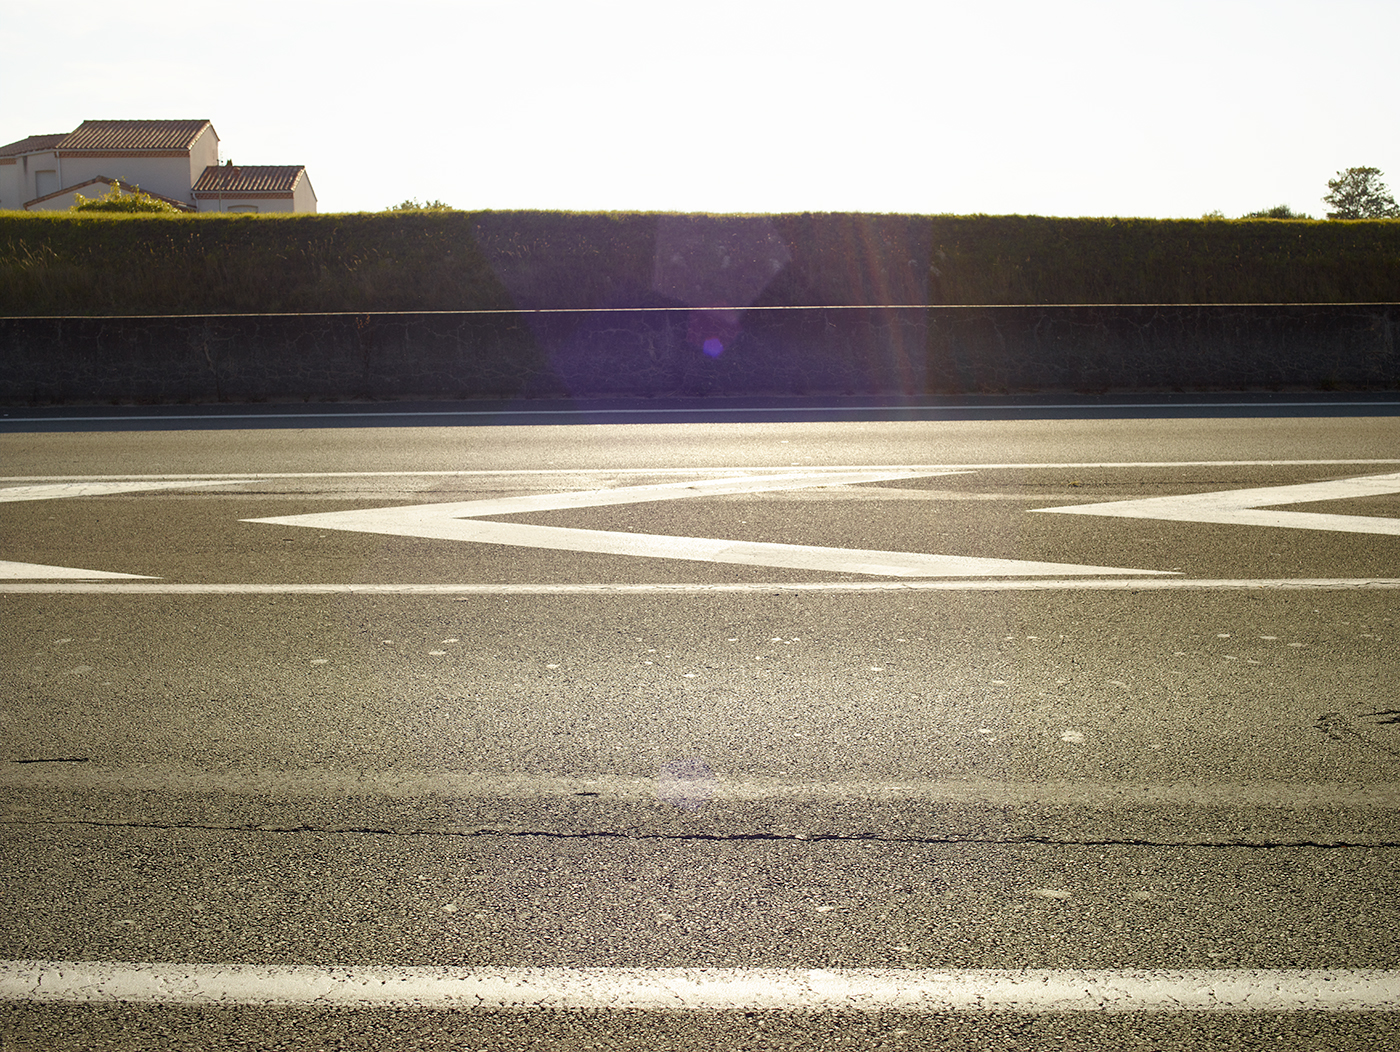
x=1277, y=212
x=1358, y=193
x=121, y=199
x=412, y=205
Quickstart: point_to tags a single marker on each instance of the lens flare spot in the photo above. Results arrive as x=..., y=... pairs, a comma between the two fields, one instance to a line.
x=713, y=347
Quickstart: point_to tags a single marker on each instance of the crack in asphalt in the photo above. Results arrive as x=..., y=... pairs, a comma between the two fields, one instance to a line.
x=54, y=759
x=797, y=838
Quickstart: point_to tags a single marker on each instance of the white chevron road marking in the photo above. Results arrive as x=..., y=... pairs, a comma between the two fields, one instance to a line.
x=12, y=571
x=103, y=488
x=1246, y=507
x=16, y=571
x=462, y=521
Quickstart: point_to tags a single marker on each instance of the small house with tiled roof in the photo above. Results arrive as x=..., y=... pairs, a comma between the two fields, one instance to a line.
x=167, y=159
x=254, y=188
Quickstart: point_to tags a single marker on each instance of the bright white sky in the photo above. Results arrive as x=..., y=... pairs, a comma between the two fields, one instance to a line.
x=1077, y=107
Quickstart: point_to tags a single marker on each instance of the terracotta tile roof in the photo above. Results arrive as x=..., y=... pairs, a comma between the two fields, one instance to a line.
x=249, y=178
x=31, y=143
x=133, y=135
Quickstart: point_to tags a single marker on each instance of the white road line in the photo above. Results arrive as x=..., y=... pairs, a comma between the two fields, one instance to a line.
x=1242, y=507
x=920, y=469
x=469, y=785
x=1035, y=990
x=979, y=584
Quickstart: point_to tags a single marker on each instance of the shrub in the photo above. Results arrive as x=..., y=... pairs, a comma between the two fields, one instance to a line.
x=121, y=199
x=1277, y=212
x=411, y=205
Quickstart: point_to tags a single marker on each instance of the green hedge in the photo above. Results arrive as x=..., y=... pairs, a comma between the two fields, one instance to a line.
x=1033, y=260
x=86, y=263
x=95, y=264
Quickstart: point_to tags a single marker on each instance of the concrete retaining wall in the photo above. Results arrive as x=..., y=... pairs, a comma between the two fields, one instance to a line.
x=773, y=351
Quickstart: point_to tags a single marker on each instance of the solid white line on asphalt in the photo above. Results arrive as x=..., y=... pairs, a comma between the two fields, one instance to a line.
x=718, y=788
x=1034, y=990
x=920, y=469
x=1242, y=507
x=978, y=584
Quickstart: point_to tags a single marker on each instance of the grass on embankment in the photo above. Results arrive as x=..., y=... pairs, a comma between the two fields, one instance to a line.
x=94, y=264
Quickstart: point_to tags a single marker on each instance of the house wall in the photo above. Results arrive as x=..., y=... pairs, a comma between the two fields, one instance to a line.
x=17, y=179
x=263, y=202
x=168, y=176
x=303, y=198
x=10, y=197
x=203, y=153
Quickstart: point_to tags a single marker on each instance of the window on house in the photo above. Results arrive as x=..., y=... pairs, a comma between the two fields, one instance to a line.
x=242, y=208
x=45, y=182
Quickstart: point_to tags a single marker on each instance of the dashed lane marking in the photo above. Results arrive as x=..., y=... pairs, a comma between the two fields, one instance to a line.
x=1033, y=990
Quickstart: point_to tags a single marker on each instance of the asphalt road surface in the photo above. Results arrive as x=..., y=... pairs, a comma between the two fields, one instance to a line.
x=966, y=734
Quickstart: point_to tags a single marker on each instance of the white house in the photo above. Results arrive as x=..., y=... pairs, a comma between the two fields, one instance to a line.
x=29, y=169
x=172, y=160
x=254, y=188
